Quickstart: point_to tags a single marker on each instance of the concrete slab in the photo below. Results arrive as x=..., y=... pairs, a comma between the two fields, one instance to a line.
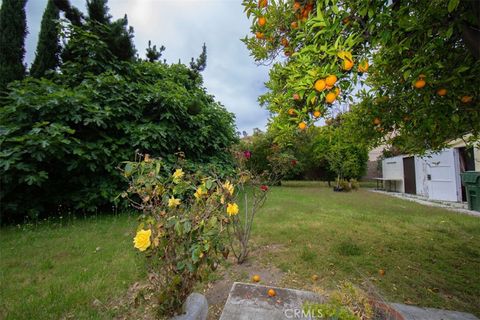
x=416, y=313
x=252, y=302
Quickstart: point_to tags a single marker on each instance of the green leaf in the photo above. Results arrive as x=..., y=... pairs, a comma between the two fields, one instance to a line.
x=452, y=5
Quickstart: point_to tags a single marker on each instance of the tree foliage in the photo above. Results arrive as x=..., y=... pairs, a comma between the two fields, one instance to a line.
x=418, y=59
x=13, y=30
x=63, y=138
x=48, y=47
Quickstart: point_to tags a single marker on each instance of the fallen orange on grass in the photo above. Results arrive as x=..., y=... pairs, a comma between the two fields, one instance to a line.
x=466, y=99
x=441, y=92
x=420, y=83
x=256, y=278
x=381, y=272
x=271, y=293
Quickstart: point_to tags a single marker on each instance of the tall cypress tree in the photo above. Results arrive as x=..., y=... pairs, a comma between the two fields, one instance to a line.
x=98, y=11
x=13, y=30
x=48, y=47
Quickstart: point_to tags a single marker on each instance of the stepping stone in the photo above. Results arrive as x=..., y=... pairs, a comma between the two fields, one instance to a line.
x=252, y=302
x=416, y=313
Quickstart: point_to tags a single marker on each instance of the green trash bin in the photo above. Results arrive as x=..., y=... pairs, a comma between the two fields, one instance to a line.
x=471, y=181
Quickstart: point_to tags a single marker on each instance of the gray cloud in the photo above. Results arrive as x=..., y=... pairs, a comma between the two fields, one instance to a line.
x=182, y=27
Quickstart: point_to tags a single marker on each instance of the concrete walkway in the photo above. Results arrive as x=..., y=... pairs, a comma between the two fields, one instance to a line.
x=252, y=302
x=459, y=207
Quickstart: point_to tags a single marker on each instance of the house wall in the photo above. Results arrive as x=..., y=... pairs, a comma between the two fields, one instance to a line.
x=393, y=169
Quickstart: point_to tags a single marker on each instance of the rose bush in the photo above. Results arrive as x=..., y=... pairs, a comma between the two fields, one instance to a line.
x=184, y=216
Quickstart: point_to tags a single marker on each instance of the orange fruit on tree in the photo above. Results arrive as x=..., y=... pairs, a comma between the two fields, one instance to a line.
x=296, y=5
x=302, y=125
x=317, y=114
x=420, y=83
x=291, y=111
x=256, y=278
x=442, y=92
x=271, y=293
x=331, y=80
x=347, y=65
x=259, y=35
x=296, y=96
x=262, y=3
x=284, y=42
x=330, y=98
x=466, y=99
x=320, y=85
x=262, y=21
x=294, y=25
x=377, y=121
x=363, y=66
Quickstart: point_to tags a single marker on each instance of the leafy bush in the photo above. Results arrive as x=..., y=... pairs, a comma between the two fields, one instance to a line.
x=183, y=217
x=62, y=138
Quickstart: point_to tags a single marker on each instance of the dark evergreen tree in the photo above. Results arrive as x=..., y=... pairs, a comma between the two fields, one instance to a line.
x=153, y=55
x=13, y=29
x=71, y=13
x=201, y=63
x=120, y=39
x=98, y=11
x=48, y=47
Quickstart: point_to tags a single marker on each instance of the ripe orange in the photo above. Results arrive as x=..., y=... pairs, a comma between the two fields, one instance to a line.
x=330, y=98
x=347, y=65
x=331, y=80
x=314, y=277
x=294, y=25
x=259, y=35
x=420, y=83
x=291, y=111
x=302, y=125
x=317, y=114
x=296, y=5
x=320, y=85
x=296, y=96
x=441, y=92
x=262, y=3
x=284, y=42
x=271, y=293
x=262, y=21
x=466, y=99
x=363, y=66
x=256, y=278
x=377, y=121
x=381, y=272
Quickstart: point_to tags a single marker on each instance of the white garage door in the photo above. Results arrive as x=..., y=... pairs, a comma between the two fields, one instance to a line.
x=442, y=175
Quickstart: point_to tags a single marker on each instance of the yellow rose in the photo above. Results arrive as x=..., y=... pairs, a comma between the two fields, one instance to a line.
x=232, y=209
x=177, y=175
x=172, y=202
x=199, y=193
x=142, y=239
x=229, y=187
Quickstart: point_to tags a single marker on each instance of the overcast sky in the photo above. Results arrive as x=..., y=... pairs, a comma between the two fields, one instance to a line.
x=182, y=26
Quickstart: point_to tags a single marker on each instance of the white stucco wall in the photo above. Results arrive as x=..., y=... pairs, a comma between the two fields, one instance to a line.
x=393, y=169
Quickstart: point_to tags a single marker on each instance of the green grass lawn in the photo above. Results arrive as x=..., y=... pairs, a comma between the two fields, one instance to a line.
x=52, y=271
x=431, y=256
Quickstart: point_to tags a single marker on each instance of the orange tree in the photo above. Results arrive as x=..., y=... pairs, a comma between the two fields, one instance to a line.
x=419, y=60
